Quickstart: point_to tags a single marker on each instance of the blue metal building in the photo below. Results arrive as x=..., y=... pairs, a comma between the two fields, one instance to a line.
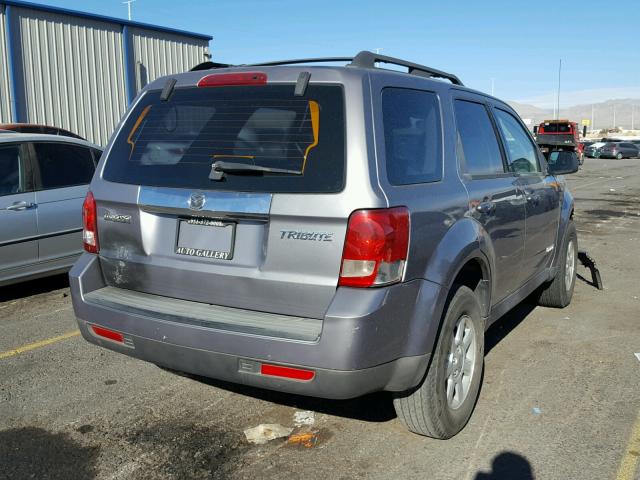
x=79, y=71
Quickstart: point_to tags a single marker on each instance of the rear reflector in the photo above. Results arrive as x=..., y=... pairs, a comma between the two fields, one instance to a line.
x=286, y=372
x=106, y=333
x=228, y=79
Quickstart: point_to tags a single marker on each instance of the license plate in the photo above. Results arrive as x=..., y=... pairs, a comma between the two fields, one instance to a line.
x=204, y=238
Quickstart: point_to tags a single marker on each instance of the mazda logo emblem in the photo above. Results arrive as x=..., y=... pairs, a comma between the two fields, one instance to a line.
x=196, y=201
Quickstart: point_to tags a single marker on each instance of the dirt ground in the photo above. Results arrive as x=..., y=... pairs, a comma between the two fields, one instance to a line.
x=560, y=397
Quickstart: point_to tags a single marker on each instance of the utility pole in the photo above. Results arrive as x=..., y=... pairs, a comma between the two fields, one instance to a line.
x=128, y=3
x=378, y=50
x=558, y=94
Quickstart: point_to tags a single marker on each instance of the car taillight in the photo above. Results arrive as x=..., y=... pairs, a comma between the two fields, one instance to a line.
x=375, y=248
x=90, y=224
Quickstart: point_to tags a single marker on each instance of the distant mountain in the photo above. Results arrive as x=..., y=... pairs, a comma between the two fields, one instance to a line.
x=627, y=111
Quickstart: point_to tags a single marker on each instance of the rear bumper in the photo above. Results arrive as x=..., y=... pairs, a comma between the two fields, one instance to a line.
x=367, y=343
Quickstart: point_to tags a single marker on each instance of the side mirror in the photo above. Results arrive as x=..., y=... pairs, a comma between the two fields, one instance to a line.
x=563, y=163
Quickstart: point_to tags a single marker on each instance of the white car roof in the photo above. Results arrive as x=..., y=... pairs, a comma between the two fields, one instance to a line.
x=13, y=137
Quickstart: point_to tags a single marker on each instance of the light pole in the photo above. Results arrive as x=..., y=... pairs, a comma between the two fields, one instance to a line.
x=558, y=94
x=128, y=3
x=593, y=120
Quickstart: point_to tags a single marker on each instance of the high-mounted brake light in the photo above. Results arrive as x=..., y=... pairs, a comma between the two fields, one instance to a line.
x=90, y=224
x=375, y=249
x=229, y=79
x=286, y=372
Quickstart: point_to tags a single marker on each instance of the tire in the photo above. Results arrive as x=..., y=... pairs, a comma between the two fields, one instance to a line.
x=558, y=292
x=426, y=409
x=619, y=156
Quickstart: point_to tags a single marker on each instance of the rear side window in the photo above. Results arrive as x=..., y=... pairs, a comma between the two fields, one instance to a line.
x=522, y=153
x=62, y=165
x=412, y=135
x=175, y=143
x=10, y=170
x=478, y=148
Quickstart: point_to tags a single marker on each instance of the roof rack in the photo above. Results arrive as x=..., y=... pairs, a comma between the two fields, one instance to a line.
x=364, y=59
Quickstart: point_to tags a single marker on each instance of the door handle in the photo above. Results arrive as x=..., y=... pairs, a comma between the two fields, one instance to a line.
x=16, y=206
x=487, y=207
x=533, y=198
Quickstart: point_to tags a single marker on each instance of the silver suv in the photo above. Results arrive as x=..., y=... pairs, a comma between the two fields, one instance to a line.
x=322, y=230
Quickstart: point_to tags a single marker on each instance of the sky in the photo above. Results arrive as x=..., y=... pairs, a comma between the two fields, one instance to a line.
x=518, y=44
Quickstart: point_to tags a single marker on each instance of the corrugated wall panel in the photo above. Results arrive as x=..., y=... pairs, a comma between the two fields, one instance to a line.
x=164, y=53
x=5, y=92
x=73, y=73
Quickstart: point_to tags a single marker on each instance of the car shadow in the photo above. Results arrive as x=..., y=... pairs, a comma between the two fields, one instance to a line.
x=505, y=325
x=31, y=452
x=508, y=466
x=34, y=287
x=375, y=407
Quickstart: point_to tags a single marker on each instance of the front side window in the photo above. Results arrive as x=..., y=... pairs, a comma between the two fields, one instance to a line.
x=10, y=170
x=478, y=148
x=412, y=136
x=521, y=152
x=62, y=165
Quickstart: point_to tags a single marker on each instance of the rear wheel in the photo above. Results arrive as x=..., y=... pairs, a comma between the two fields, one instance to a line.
x=442, y=404
x=559, y=291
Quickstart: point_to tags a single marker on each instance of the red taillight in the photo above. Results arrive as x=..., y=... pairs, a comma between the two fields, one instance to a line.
x=228, y=79
x=90, y=224
x=375, y=249
x=286, y=372
x=109, y=334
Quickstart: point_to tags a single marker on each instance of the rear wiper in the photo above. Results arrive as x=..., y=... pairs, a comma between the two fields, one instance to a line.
x=219, y=168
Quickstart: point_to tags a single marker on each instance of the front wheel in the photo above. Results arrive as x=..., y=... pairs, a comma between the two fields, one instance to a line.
x=559, y=291
x=442, y=404
x=619, y=156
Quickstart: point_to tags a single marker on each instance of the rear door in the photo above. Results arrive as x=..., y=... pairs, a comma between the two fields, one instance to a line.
x=171, y=225
x=18, y=223
x=541, y=191
x=496, y=201
x=62, y=173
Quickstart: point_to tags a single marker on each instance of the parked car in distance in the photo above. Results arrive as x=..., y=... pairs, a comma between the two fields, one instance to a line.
x=593, y=150
x=35, y=128
x=323, y=230
x=43, y=181
x=619, y=150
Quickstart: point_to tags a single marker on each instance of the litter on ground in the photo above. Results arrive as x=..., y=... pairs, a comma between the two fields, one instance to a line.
x=266, y=432
x=305, y=417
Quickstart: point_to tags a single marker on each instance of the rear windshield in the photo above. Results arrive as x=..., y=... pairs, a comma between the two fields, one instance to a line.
x=555, y=128
x=174, y=143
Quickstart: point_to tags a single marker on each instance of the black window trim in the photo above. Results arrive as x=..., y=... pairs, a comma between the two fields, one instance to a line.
x=383, y=143
x=27, y=182
x=462, y=165
x=35, y=169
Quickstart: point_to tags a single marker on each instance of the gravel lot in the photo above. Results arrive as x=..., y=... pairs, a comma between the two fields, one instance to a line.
x=560, y=396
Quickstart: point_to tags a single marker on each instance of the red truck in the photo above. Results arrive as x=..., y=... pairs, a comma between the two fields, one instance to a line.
x=559, y=135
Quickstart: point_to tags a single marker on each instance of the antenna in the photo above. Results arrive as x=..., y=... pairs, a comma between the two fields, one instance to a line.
x=128, y=3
